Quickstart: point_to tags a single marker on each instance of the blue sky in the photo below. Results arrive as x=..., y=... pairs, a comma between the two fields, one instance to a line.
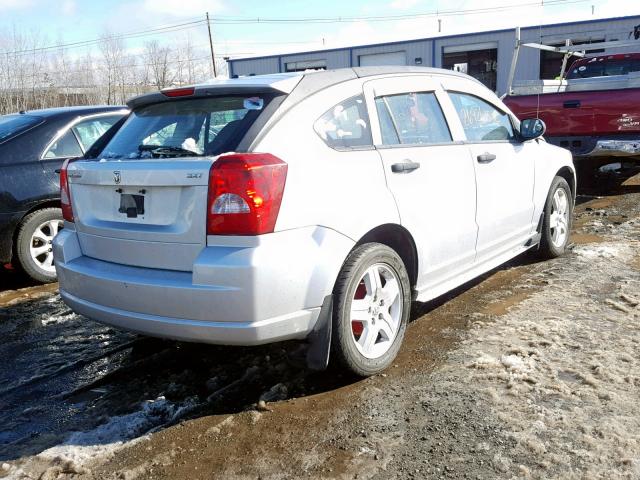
x=75, y=20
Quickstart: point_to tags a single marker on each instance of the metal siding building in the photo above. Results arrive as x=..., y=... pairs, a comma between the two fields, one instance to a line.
x=486, y=50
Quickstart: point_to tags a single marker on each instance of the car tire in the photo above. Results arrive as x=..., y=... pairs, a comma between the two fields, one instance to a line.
x=35, y=234
x=368, y=334
x=557, y=220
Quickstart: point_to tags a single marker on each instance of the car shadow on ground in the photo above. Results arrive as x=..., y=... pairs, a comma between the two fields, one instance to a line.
x=607, y=183
x=13, y=279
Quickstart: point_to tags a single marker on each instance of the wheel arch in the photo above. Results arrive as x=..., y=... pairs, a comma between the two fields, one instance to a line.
x=52, y=203
x=398, y=239
x=570, y=176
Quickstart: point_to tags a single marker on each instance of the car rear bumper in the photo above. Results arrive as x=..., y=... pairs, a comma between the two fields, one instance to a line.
x=624, y=145
x=292, y=326
x=260, y=290
x=615, y=148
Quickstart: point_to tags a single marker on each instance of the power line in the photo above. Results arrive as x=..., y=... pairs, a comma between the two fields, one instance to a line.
x=117, y=36
x=227, y=20
x=387, y=18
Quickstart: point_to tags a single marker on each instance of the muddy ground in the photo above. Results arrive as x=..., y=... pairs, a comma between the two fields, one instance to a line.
x=532, y=371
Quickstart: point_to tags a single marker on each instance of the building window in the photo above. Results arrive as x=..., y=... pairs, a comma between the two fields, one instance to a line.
x=551, y=62
x=305, y=65
x=478, y=61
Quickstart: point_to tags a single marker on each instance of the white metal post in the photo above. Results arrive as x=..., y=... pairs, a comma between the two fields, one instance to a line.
x=514, y=62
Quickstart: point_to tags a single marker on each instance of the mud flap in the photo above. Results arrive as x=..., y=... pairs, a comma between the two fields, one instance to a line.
x=535, y=240
x=320, y=338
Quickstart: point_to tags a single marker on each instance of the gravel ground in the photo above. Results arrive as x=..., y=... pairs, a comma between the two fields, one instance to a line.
x=529, y=372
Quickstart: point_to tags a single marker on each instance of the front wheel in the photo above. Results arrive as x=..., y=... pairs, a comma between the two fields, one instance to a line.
x=372, y=301
x=556, y=224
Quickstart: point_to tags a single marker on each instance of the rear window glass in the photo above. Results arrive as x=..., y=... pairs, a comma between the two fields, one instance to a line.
x=192, y=127
x=13, y=124
x=345, y=125
x=605, y=68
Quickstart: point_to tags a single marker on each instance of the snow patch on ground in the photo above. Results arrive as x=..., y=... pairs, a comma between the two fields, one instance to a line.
x=80, y=449
x=562, y=370
x=615, y=250
x=56, y=319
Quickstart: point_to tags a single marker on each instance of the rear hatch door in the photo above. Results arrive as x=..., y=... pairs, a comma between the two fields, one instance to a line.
x=146, y=213
x=143, y=201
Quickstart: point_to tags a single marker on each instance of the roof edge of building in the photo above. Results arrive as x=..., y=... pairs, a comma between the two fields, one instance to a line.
x=427, y=39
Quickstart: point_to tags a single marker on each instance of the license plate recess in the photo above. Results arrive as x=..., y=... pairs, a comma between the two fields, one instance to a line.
x=131, y=204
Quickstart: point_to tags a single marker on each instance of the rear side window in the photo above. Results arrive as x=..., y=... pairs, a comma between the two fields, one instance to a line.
x=65, y=147
x=192, y=127
x=345, y=125
x=605, y=68
x=11, y=125
x=90, y=130
x=482, y=122
x=412, y=118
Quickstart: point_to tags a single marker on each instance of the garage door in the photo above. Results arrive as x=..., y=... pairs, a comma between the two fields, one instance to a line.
x=375, y=59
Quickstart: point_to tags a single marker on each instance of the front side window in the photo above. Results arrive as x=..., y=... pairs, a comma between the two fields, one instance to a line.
x=192, y=127
x=345, y=125
x=482, y=122
x=412, y=118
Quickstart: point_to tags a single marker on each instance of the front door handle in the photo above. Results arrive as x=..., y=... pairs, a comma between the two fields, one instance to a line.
x=486, y=158
x=405, y=167
x=571, y=104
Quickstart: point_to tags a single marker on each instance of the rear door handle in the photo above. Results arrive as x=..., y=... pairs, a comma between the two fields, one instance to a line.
x=405, y=167
x=571, y=104
x=486, y=158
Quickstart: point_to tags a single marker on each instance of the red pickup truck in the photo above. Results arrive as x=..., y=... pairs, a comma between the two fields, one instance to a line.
x=594, y=111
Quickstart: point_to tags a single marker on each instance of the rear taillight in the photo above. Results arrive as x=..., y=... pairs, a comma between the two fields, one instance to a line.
x=65, y=193
x=245, y=192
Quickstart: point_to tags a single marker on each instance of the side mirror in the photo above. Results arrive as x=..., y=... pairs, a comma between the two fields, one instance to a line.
x=532, y=128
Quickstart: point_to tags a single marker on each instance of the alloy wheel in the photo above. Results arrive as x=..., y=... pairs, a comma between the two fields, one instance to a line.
x=376, y=310
x=41, y=247
x=559, y=219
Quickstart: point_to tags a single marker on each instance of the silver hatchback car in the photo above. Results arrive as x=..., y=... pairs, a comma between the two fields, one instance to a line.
x=306, y=206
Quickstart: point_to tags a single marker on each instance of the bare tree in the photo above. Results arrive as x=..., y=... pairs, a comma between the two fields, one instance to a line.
x=158, y=59
x=35, y=77
x=113, y=52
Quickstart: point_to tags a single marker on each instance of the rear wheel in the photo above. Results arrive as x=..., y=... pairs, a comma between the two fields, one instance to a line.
x=556, y=225
x=34, y=247
x=372, y=301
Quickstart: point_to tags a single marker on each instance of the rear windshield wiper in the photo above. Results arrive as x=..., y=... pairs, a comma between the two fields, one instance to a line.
x=167, y=150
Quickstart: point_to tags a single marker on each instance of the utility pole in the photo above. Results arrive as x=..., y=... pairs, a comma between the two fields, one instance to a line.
x=439, y=25
x=213, y=58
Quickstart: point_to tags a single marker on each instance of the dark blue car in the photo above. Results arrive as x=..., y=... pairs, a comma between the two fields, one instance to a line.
x=33, y=146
